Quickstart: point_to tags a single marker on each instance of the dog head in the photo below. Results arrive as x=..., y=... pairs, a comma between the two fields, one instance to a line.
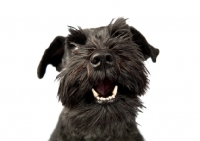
x=102, y=73
x=99, y=62
x=101, y=67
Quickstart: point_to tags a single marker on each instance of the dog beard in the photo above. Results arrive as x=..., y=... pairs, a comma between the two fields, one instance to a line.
x=108, y=120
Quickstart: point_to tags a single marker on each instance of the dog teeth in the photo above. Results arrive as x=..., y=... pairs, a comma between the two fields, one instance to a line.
x=112, y=96
x=95, y=93
x=114, y=93
x=102, y=98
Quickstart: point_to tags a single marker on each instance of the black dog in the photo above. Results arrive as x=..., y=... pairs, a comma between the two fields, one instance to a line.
x=102, y=77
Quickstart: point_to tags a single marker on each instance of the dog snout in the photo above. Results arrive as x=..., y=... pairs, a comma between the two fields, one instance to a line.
x=102, y=60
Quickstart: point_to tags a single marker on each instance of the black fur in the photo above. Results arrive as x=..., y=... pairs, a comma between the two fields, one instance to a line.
x=121, y=51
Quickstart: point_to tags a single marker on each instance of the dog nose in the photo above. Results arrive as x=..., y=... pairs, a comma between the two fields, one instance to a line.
x=102, y=59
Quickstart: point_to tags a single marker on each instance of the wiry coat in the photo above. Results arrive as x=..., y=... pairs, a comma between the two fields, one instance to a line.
x=84, y=118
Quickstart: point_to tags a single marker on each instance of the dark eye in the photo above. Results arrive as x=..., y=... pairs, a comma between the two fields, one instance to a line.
x=75, y=50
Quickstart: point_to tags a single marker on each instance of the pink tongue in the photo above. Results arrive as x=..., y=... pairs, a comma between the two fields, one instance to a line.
x=104, y=87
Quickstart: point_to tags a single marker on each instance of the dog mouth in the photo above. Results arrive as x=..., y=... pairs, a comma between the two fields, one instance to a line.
x=105, y=91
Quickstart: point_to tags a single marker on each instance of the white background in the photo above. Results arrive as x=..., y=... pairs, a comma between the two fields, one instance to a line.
x=29, y=108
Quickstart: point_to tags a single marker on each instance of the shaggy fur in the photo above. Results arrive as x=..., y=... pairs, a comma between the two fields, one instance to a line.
x=99, y=58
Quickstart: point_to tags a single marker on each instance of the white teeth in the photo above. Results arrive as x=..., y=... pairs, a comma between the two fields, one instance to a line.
x=95, y=93
x=114, y=93
x=102, y=98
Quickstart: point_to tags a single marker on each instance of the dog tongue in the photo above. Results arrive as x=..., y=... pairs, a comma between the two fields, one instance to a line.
x=105, y=87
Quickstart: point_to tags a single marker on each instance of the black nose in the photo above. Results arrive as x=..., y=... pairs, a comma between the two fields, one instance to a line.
x=102, y=59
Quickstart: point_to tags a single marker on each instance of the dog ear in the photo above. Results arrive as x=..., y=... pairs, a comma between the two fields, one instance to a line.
x=52, y=55
x=147, y=49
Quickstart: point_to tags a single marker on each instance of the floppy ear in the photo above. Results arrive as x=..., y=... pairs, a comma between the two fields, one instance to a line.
x=52, y=55
x=147, y=49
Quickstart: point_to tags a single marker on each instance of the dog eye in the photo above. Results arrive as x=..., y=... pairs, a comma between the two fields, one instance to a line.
x=75, y=50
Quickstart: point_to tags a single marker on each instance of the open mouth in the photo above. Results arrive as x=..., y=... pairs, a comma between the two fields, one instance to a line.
x=105, y=91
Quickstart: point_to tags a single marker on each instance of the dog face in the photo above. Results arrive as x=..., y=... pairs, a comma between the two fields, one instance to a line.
x=99, y=63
